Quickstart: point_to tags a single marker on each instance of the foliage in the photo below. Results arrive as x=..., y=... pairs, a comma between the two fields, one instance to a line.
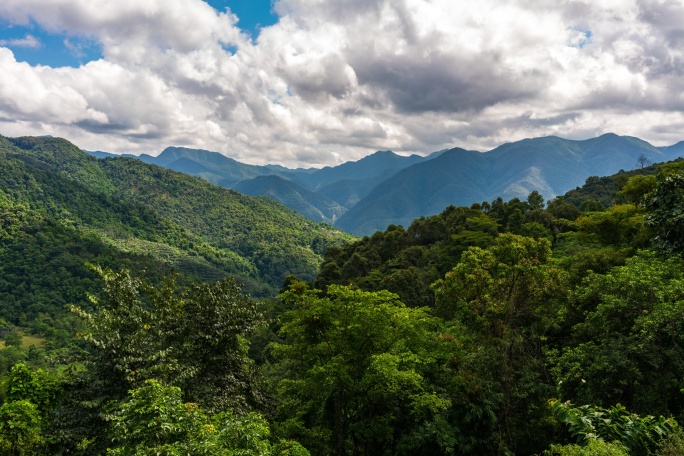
x=525, y=302
x=618, y=226
x=626, y=344
x=637, y=187
x=13, y=339
x=35, y=386
x=606, y=190
x=155, y=421
x=194, y=339
x=592, y=448
x=20, y=425
x=639, y=435
x=355, y=366
x=672, y=444
x=502, y=300
x=181, y=221
x=666, y=213
x=406, y=262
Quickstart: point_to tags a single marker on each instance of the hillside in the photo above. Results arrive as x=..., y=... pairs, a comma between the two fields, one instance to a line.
x=139, y=209
x=495, y=308
x=319, y=194
x=385, y=188
x=455, y=177
x=550, y=166
x=310, y=204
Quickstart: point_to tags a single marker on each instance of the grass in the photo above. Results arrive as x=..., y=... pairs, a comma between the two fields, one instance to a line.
x=27, y=341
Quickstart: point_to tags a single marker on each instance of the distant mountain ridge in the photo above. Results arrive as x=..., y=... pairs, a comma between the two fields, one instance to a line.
x=386, y=188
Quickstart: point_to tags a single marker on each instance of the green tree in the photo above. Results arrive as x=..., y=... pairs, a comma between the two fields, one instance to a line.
x=626, y=344
x=621, y=225
x=13, y=339
x=195, y=339
x=35, y=386
x=155, y=421
x=637, y=187
x=20, y=428
x=535, y=200
x=501, y=302
x=355, y=366
x=665, y=212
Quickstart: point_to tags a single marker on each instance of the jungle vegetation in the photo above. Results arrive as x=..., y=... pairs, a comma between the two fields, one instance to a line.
x=507, y=327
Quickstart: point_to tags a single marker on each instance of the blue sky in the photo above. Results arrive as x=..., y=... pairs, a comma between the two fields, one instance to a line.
x=59, y=48
x=315, y=82
x=252, y=14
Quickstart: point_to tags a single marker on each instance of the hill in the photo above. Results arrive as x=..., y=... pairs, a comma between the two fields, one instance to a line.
x=133, y=210
x=306, y=202
x=385, y=188
x=455, y=177
x=550, y=166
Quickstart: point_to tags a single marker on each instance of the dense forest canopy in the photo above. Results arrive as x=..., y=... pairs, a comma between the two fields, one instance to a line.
x=507, y=327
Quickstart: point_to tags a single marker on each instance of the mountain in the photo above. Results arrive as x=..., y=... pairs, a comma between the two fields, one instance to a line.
x=173, y=219
x=211, y=166
x=454, y=177
x=673, y=151
x=549, y=165
x=376, y=167
x=386, y=188
x=310, y=204
x=320, y=194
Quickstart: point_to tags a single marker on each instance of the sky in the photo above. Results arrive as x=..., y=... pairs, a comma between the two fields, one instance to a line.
x=319, y=82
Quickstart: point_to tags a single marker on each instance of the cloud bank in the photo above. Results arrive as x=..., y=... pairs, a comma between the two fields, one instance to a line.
x=346, y=78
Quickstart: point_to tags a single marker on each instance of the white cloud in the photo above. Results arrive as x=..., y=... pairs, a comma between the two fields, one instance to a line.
x=351, y=76
x=29, y=41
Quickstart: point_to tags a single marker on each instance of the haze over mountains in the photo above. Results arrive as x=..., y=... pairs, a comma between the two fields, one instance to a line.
x=385, y=188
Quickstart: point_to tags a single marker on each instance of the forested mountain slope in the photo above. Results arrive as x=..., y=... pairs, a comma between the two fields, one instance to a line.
x=192, y=225
x=385, y=188
x=503, y=327
x=312, y=205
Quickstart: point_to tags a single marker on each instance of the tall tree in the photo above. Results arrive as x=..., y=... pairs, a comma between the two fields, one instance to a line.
x=195, y=339
x=355, y=368
x=500, y=302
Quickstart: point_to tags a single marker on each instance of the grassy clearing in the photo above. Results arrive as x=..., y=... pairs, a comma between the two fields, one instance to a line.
x=27, y=340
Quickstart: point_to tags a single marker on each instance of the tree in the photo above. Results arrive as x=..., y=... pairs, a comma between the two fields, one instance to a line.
x=20, y=428
x=637, y=187
x=535, y=200
x=643, y=161
x=355, y=366
x=30, y=397
x=500, y=302
x=621, y=225
x=628, y=344
x=155, y=421
x=35, y=386
x=665, y=212
x=13, y=339
x=195, y=339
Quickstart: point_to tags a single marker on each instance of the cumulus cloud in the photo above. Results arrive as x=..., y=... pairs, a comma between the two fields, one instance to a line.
x=346, y=78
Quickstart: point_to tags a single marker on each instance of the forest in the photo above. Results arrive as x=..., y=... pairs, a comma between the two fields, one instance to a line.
x=519, y=327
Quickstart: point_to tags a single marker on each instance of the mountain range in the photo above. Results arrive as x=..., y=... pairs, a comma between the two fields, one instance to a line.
x=385, y=188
